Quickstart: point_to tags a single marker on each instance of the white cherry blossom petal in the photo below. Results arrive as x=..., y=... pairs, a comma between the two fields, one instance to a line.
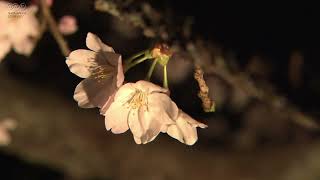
x=160, y=102
x=93, y=92
x=106, y=106
x=80, y=61
x=119, y=111
x=147, y=113
x=103, y=72
x=95, y=44
x=120, y=74
x=175, y=132
x=185, y=129
x=116, y=118
x=190, y=120
x=147, y=125
x=158, y=115
x=125, y=92
x=81, y=97
x=183, y=132
x=137, y=140
x=109, y=58
x=150, y=87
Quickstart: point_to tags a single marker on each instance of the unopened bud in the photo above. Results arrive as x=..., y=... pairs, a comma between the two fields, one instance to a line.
x=162, y=53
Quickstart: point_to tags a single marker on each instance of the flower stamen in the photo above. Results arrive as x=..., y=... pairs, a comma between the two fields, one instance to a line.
x=101, y=72
x=137, y=100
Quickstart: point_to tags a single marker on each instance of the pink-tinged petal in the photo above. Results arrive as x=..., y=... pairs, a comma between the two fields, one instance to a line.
x=120, y=74
x=124, y=93
x=161, y=103
x=190, y=120
x=109, y=58
x=144, y=125
x=106, y=106
x=150, y=87
x=175, y=132
x=152, y=132
x=68, y=25
x=116, y=118
x=85, y=62
x=164, y=128
x=23, y=46
x=183, y=132
x=5, y=46
x=116, y=115
x=94, y=91
x=81, y=97
x=148, y=121
x=95, y=44
x=185, y=129
x=136, y=123
x=80, y=61
x=137, y=140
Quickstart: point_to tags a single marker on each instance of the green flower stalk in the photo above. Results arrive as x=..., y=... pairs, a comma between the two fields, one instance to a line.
x=162, y=54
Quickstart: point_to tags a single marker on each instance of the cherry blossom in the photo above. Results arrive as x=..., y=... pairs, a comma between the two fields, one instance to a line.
x=146, y=109
x=185, y=129
x=103, y=72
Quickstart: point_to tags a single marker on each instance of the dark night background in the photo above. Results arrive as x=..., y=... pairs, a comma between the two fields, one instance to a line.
x=269, y=30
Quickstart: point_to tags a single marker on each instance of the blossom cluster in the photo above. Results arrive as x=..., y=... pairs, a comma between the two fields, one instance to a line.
x=143, y=107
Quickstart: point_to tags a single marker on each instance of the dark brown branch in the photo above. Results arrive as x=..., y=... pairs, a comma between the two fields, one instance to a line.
x=54, y=28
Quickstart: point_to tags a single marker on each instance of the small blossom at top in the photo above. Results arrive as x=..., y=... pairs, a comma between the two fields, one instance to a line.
x=68, y=25
x=146, y=109
x=19, y=29
x=103, y=72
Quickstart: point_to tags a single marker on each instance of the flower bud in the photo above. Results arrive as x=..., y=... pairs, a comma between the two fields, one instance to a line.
x=161, y=53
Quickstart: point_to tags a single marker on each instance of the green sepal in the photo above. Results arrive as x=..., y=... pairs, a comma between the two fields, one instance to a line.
x=163, y=60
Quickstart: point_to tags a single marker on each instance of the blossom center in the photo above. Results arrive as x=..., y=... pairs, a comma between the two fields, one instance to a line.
x=102, y=72
x=138, y=100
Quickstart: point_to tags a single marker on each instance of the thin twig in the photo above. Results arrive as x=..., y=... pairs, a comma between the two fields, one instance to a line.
x=54, y=28
x=207, y=103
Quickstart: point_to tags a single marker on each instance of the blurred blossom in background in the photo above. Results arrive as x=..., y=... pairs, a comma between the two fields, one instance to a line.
x=6, y=125
x=68, y=25
x=19, y=28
